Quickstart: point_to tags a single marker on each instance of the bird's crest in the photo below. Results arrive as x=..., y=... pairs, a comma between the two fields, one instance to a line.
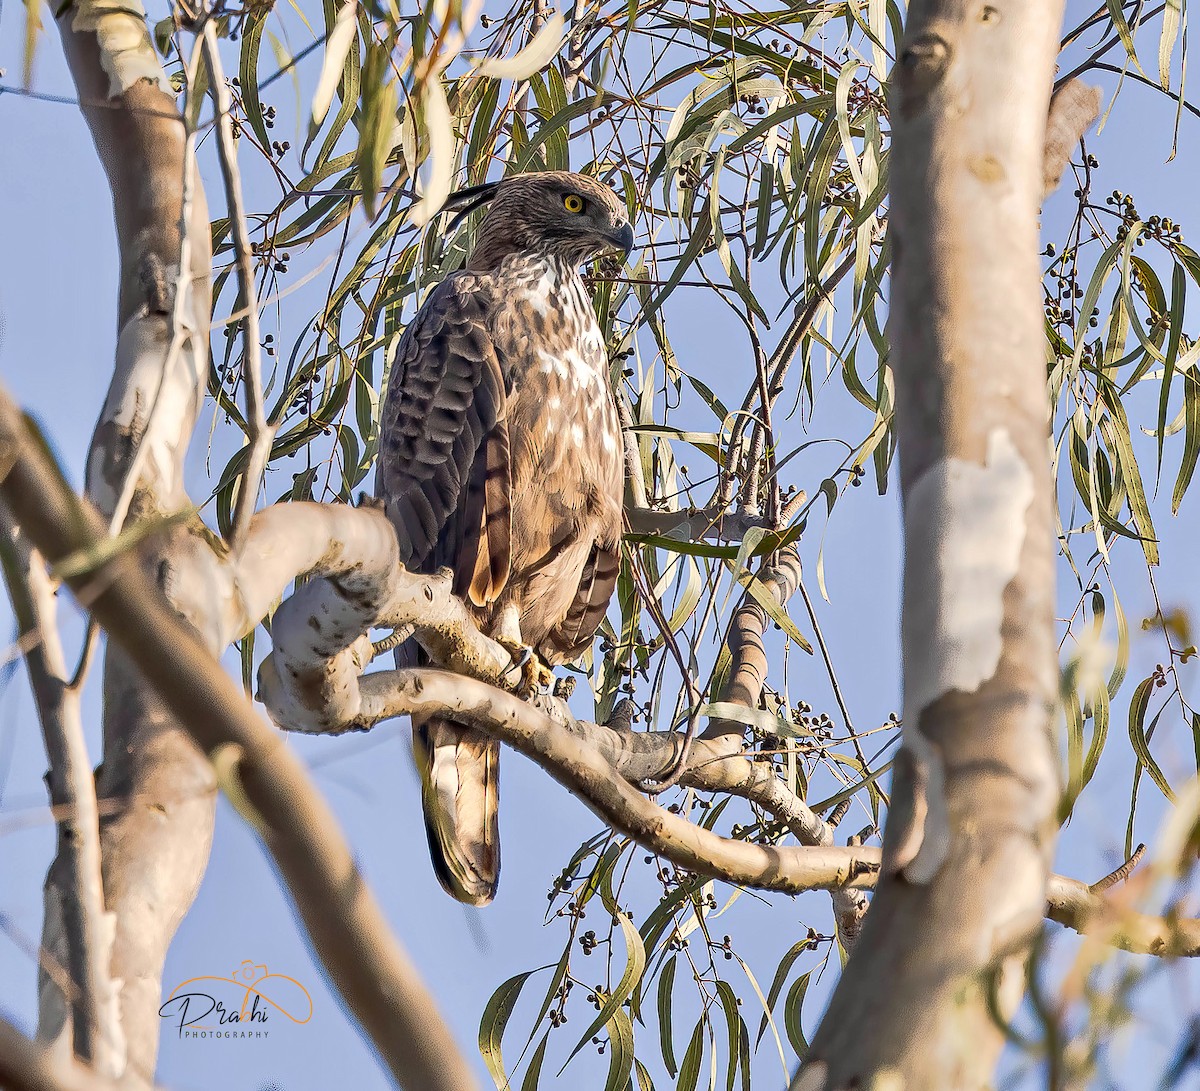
x=462, y=202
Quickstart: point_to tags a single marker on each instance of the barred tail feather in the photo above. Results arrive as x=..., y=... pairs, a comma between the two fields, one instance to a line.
x=460, y=793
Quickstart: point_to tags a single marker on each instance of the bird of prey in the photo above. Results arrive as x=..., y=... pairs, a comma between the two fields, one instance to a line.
x=500, y=458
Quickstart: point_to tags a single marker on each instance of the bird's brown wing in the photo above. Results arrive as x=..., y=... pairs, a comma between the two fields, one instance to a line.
x=444, y=472
x=444, y=476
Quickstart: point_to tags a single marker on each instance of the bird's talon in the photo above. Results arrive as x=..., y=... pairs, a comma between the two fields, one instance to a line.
x=536, y=675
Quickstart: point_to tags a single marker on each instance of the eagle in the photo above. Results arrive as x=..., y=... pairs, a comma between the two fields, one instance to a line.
x=500, y=459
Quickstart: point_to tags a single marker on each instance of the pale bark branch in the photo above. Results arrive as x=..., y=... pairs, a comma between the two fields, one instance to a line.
x=1079, y=907
x=601, y=763
x=78, y=932
x=318, y=636
x=259, y=434
x=583, y=769
x=27, y=1066
x=972, y=824
x=344, y=922
x=155, y=848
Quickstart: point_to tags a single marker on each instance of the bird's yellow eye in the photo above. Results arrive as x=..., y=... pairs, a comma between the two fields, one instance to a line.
x=573, y=203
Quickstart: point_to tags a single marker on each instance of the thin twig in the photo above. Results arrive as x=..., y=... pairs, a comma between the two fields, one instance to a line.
x=259, y=434
x=84, y=942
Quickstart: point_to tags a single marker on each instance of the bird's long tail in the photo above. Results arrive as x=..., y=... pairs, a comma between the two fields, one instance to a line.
x=460, y=792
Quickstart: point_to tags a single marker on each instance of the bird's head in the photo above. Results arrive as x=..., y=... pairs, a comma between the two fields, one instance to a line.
x=552, y=213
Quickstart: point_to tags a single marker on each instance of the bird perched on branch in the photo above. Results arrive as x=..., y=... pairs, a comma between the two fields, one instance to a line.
x=500, y=458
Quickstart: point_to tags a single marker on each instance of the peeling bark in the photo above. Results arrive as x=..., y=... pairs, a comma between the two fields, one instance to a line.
x=155, y=848
x=969, y=838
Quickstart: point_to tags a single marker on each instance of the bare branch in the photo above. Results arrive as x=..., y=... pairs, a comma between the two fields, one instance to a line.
x=259, y=434
x=1120, y=874
x=154, y=849
x=583, y=770
x=344, y=922
x=693, y=524
x=749, y=667
x=1077, y=906
x=27, y=1066
x=77, y=932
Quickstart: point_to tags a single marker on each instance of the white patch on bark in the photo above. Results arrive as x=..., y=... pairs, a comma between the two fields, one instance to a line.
x=154, y=401
x=969, y=522
x=126, y=51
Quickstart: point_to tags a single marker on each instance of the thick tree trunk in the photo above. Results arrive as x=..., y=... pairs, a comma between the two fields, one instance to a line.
x=968, y=843
x=155, y=847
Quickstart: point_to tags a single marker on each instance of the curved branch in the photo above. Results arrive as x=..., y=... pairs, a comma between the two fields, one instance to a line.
x=344, y=922
x=313, y=681
x=1078, y=906
x=78, y=932
x=581, y=768
x=27, y=1066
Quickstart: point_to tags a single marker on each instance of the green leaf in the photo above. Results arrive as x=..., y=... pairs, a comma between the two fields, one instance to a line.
x=781, y=974
x=735, y=1028
x=620, y=1051
x=1140, y=736
x=534, y=1071
x=1191, y=438
x=635, y=964
x=752, y=717
x=1166, y=42
x=252, y=31
x=762, y=595
x=532, y=58
x=341, y=34
x=495, y=1018
x=770, y=542
x=689, y=1069
x=665, y=1005
x=1117, y=14
x=556, y=980
x=377, y=123
x=1178, y=298
x=1116, y=430
x=793, y=1010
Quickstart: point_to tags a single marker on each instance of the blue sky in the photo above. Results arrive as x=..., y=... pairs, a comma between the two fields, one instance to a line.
x=57, y=308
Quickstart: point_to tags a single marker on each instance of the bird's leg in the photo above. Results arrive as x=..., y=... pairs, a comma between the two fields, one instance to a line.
x=536, y=675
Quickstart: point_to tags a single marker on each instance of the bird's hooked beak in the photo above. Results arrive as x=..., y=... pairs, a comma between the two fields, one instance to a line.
x=622, y=238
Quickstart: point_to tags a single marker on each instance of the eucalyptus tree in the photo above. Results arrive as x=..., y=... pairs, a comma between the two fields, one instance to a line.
x=849, y=238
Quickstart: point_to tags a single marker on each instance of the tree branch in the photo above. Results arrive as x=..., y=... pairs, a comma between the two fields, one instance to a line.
x=1077, y=906
x=155, y=848
x=26, y=1066
x=344, y=922
x=78, y=932
x=259, y=434
x=972, y=824
x=583, y=769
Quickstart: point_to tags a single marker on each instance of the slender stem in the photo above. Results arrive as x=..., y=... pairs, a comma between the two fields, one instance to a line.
x=259, y=434
x=75, y=879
